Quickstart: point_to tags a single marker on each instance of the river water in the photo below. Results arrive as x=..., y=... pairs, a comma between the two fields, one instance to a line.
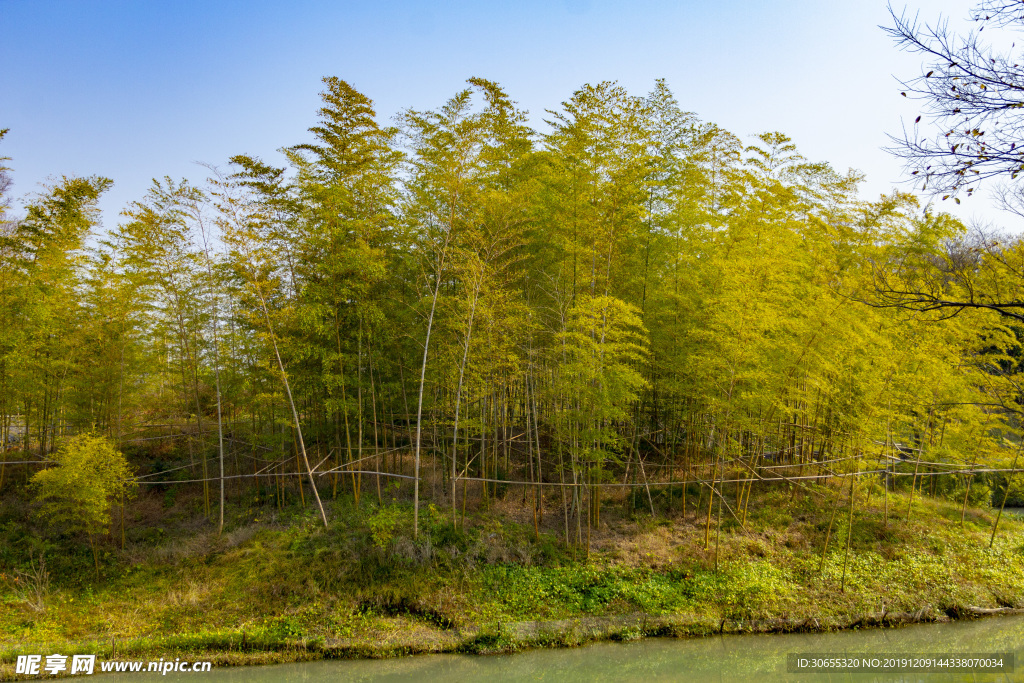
x=760, y=658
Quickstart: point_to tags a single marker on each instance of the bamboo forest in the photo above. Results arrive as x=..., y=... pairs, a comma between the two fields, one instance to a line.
x=634, y=358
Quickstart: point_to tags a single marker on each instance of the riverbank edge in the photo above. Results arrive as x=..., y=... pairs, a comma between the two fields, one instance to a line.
x=237, y=649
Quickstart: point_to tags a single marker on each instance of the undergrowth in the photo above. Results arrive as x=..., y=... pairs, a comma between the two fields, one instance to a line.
x=277, y=581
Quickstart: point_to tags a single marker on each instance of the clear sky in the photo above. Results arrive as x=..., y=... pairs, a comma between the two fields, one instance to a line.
x=135, y=89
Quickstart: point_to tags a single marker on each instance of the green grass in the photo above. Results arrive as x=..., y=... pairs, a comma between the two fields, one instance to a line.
x=277, y=586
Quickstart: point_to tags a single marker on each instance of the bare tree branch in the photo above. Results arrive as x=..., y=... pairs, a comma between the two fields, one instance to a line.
x=973, y=95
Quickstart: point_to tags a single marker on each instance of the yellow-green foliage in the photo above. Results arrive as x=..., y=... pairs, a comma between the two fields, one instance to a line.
x=383, y=525
x=90, y=475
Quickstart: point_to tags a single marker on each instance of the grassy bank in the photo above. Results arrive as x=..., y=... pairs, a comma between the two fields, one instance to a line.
x=277, y=587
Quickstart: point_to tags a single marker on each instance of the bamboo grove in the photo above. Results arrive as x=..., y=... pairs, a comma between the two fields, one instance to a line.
x=632, y=306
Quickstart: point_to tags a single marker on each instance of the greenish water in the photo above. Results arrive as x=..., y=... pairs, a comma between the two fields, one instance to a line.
x=760, y=658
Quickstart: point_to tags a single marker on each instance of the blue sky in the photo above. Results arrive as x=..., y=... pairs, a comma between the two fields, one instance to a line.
x=136, y=90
